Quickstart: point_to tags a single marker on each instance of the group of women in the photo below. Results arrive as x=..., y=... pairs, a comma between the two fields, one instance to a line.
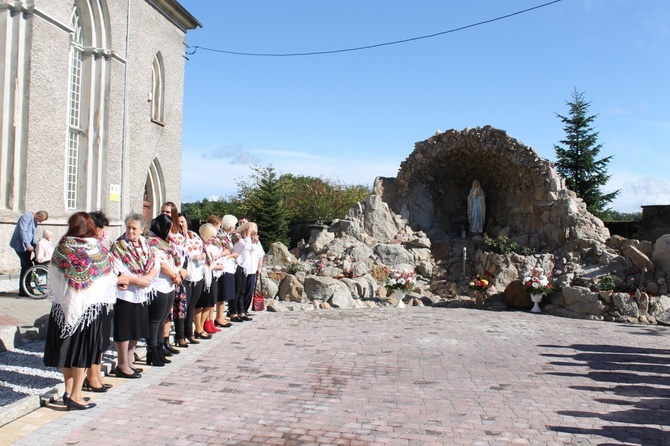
x=146, y=282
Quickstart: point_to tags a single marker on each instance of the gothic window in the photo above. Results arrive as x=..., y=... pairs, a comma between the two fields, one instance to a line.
x=157, y=89
x=74, y=111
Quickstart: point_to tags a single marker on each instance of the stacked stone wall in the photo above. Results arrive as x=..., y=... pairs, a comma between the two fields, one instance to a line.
x=525, y=198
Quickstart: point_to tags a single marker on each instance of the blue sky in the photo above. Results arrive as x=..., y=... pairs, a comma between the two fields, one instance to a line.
x=356, y=115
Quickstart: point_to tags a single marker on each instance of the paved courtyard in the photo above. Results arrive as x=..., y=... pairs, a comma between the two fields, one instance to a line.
x=412, y=376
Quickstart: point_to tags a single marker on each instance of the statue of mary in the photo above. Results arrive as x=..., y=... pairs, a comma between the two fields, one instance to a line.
x=476, y=207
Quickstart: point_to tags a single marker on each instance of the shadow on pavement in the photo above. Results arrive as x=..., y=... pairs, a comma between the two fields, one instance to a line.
x=641, y=396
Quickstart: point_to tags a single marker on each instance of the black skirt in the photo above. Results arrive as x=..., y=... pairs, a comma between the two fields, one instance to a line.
x=106, y=329
x=228, y=286
x=208, y=297
x=81, y=349
x=130, y=321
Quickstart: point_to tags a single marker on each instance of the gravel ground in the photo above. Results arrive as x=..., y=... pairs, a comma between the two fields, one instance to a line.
x=22, y=373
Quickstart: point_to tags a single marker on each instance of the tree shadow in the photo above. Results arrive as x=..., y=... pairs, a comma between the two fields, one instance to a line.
x=633, y=381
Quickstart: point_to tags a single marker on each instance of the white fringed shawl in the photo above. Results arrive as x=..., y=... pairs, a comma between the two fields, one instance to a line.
x=81, y=283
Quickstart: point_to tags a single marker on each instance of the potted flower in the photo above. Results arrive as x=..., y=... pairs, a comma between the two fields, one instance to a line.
x=400, y=283
x=538, y=286
x=480, y=285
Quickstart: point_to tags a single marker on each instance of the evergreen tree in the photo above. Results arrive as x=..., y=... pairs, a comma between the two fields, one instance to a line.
x=266, y=208
x=577, y=162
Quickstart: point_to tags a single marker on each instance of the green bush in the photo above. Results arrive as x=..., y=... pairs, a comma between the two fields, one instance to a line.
x=500, y=244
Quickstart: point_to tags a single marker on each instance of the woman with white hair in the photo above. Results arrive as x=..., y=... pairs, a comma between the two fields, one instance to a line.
x=227, y=288
x=133, y=257
x=45, y=248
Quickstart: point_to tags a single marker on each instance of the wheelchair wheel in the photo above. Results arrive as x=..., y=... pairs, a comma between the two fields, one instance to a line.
x=35, y=281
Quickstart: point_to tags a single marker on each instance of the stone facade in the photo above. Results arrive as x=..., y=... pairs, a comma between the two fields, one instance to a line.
x=131, y=59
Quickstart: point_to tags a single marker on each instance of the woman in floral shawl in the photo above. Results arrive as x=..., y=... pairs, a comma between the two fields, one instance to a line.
x=133, y=257
x=169, y=259
x=180, y=302
x=82, y=286
x=193, y=283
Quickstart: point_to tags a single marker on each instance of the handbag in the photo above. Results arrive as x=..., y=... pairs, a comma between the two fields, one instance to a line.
x=259, y=297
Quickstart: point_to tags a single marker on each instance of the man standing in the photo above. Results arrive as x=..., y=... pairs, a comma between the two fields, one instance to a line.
x=24, y=241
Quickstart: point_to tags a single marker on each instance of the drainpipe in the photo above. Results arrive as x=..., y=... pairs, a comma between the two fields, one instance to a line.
x=124, y=140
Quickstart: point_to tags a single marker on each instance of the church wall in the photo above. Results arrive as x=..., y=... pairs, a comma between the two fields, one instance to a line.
x=149, y=140
x=47, y=117
x=47, y=112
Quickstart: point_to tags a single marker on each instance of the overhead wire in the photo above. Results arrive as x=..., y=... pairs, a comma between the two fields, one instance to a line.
x=367, y=47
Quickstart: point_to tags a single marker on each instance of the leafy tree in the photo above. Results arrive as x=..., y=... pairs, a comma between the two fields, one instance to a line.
x=611, y=215
x=200, y=210
x=577, y=162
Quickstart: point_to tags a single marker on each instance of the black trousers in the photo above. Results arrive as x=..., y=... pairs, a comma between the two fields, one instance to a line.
x=26, y=262
x=159, y=310
x=249, y=292
x=236, y=304
x=183, y=328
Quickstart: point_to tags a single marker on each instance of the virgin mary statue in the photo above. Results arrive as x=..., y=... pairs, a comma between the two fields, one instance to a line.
x=476, y=207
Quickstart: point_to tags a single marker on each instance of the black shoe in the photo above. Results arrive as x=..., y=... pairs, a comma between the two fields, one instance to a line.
x=181, y=343
x=87, y=386
x=153, y=358
x=169, y=348
x=246, y=318
x=162, y=354
x=108, y=386
x=236, y=319
x=71, y=405
x=203, y=335
x=193, y=340
x=121, y=374
x=226, y=325
x=66, y=398
x=137, y=369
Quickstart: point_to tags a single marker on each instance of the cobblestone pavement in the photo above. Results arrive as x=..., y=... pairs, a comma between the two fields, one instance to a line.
x=411, y=376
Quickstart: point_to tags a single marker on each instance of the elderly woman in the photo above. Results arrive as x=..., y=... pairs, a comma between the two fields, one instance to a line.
x=82, y=285
x=243, y=247
x=132, y=257
x=216, y=256
x=252, y=266
x=228, y=285
x=45, y=248
x=170, y=260
x=193, y=283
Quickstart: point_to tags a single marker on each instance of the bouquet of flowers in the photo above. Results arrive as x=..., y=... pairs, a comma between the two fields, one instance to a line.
x=400, y=280
x=480, y=283
x=538, y=282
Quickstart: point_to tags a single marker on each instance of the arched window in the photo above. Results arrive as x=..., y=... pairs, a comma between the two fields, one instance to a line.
x=157, y=89
x=74, y=111
x=88, y=106
x=154, y=190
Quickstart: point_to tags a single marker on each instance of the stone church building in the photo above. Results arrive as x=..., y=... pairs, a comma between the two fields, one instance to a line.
x=92, y=102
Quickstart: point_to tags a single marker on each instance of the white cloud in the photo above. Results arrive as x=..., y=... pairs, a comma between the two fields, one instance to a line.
x=637, y=192
x=234, y=153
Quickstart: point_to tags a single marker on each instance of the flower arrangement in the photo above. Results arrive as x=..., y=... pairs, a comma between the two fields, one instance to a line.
x=538, y=282
x=400, y=280
x=481, y=283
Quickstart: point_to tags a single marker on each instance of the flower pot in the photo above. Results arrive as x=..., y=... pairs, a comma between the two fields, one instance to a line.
x=399, y=294
x=536, y=298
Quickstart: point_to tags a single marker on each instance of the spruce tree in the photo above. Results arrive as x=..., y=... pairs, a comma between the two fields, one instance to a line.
x=577, y=162
x=268, y=210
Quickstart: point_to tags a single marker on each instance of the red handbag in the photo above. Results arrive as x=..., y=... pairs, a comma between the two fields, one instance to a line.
x=259, y=297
